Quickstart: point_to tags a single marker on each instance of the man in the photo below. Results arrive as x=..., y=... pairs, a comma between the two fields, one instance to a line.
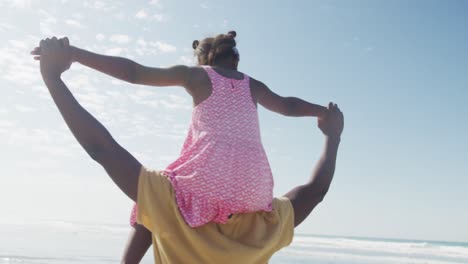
x=244, y=239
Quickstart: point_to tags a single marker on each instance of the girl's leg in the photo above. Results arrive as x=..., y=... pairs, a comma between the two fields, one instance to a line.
x=138, y=243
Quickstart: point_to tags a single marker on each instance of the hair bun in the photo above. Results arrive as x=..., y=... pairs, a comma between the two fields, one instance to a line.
x=232, y=33
x=195, y=44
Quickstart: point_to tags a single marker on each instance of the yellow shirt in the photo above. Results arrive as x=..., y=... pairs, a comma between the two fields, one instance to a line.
x=246, y=238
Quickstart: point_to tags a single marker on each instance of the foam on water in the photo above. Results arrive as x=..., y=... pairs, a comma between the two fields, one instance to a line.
x=59, y=242
x=379, y=251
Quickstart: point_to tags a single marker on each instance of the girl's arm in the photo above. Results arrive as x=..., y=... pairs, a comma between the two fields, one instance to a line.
x=130, y=71
x=288, y=106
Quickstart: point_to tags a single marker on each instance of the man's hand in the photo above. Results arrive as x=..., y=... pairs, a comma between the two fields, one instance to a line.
x=333, y=123
x=55, y=56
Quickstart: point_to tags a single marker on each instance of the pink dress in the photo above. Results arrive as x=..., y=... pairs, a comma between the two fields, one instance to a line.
x=223, y=168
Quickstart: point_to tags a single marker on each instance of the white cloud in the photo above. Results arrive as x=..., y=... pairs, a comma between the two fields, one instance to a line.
x=20, y=3
x=152, y=99
x=16, y=65
x=144, y=97
x=117, y=82
x=5, y=26
x=100, y=37
x=155, y=2
x=160, y=17
x=92, y=99
x=141, y=42
x=175, y=102
x=99, y=4
x=120, y=39
x=18, y=44
x=77, y=15
x=204, y=5
x=145, y=47
x=73, y=23
x=35, y=138
x=47, y=23
x=164, y=47
x=119, y=15
x=6, y=124
x=187, y=60
x=41, y=92
x=152, y=48
x=139, y=52
x=81, y=81
x=141, y=14
x=177, y=99
x=24, y=108
x=102, y=5
x=113, y=51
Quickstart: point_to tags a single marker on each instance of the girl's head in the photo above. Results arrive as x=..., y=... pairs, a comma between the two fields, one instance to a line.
x=218, y=50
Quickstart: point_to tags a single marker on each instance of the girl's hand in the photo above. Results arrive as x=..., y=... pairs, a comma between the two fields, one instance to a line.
x=323, y=112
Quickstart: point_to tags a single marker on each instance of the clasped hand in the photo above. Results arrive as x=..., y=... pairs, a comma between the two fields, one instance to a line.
x=333, y=123
x=55, y=56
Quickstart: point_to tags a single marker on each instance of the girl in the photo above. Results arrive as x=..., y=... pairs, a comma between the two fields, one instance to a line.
x=222, y=174
x=140, y=238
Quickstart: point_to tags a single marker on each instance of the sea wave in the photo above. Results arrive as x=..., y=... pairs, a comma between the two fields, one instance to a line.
x=404, y=251
x=54, y=260
x=60, y=241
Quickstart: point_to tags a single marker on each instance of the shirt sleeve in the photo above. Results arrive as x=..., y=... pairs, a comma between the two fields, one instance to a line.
x=155, y=201
x=286, y=212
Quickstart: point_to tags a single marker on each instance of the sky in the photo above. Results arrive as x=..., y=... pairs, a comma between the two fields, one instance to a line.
x=397, y=69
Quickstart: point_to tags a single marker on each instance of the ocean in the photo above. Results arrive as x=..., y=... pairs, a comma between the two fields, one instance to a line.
x=59, y=242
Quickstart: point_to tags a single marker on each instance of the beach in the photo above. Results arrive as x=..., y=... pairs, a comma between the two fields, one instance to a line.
x=59, y=242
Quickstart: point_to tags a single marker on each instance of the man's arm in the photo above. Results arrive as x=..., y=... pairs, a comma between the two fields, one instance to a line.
x=306, y=197
x=92, y=135
x=288, y=106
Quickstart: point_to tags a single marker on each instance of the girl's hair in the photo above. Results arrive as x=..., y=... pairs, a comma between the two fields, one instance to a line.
x=211, y=50
x=202, y=49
